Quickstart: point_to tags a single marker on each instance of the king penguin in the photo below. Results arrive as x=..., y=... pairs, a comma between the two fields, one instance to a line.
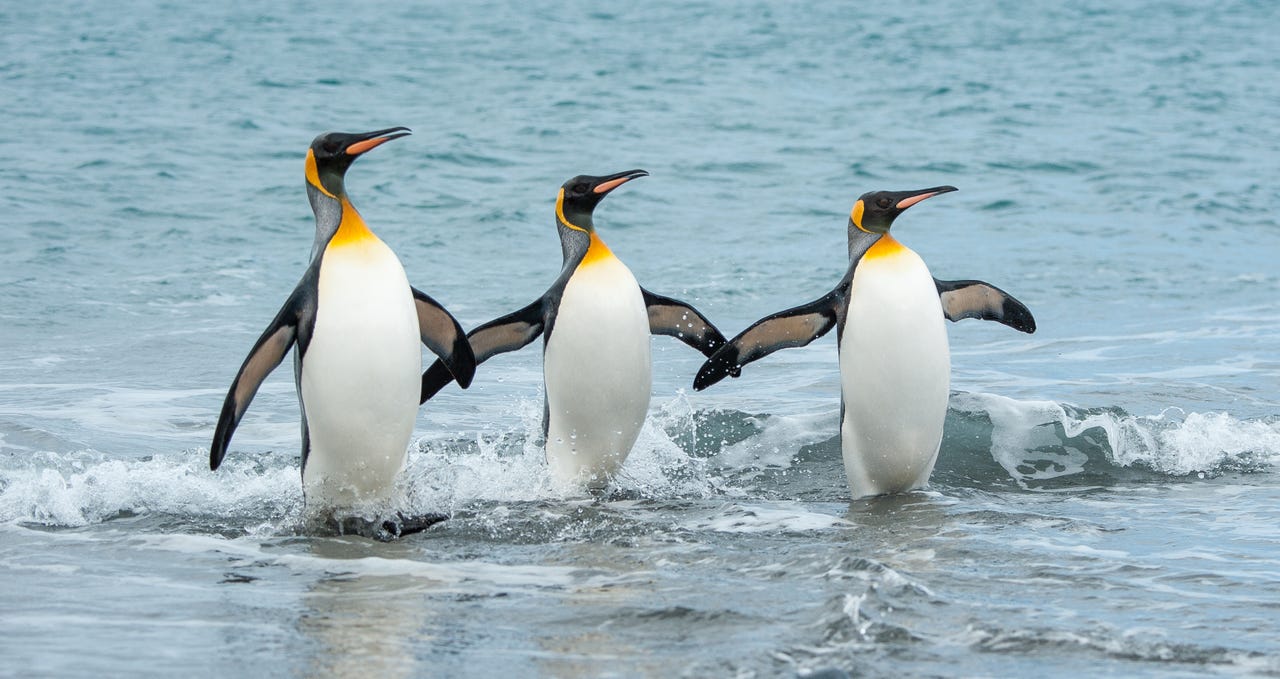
x=357, y=325
x=595, y=322
x=895, y=363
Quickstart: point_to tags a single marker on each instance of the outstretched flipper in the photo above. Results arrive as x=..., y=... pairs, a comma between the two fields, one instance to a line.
x=976, y=299
x=794, y=327
x=507, y=333
x=265, y=356
x=674, y=318
x=444, y=337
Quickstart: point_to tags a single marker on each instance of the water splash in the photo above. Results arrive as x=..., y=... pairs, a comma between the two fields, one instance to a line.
x=510, y=465
x=89, y=487
x=681, y=453
x=1044, y=440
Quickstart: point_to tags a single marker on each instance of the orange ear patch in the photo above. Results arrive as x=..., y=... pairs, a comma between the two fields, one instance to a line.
x=856, y=215
x=313, y=174
x=560, y=212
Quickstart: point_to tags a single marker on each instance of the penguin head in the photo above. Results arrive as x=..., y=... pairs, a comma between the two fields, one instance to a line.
x=579, y=196
x=333, y=152
x=875, y=211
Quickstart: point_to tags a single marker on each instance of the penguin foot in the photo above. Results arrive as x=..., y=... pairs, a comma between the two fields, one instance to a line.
x=388, y=529
x=401, y=525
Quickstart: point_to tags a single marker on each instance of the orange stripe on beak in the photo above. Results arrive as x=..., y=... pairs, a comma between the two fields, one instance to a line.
x=366, y=145
x=611, y=184
x=908, y=202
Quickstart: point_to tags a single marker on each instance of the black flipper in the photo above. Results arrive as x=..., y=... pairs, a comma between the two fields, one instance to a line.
x=794, y=327
x=976, y=299
x=674, y=318
x=507, y=333
x=444, y=337
x=267, y=353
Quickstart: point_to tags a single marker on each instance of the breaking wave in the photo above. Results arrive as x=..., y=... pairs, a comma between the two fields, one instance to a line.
x=991, y=442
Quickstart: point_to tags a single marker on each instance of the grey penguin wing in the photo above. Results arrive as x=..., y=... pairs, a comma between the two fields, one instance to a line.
x=444, y=337
x=506, y=333
x=794, y=327
x=674, y=318
x=978, y=299
x=266, y=354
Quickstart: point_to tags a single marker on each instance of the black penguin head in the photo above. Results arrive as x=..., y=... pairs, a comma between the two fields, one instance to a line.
x=875, y=211
x=333, y=152
x=579, y=196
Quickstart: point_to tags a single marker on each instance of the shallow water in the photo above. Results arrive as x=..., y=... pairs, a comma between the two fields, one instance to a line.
x=1106, y=498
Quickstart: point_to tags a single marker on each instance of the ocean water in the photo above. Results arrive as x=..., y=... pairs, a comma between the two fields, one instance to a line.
x=1107, y=497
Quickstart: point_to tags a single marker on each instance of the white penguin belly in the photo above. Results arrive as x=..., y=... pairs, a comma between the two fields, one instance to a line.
x=895, y=374
x=361, y=376
x=598, y=373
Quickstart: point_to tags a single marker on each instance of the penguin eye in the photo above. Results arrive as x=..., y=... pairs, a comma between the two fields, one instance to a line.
x=884, y=203
x=330, y=146
x=579, y=188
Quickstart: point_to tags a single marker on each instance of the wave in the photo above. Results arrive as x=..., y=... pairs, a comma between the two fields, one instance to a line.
x=992, y=443
x=1043, y=443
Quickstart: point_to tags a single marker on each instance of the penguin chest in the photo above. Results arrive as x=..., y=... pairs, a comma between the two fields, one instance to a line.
x=598, y=372
x=360, y=375
x=895, y=373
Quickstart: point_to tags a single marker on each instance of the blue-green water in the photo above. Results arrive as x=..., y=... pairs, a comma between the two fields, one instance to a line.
x=1106, y=501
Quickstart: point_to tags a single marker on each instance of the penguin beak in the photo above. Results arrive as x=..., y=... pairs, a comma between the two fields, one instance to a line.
x=613, y=181
x=909, y=198
x=372, y=140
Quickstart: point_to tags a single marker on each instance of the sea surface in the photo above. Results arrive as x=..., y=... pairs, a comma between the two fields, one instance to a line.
x=1107, y=497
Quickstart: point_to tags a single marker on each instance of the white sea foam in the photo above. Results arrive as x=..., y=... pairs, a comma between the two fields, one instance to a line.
x=1025, y=442
x=510, y=466
x=780, y=438
x=1034, y=441
x=773, y=518
x=88, y=487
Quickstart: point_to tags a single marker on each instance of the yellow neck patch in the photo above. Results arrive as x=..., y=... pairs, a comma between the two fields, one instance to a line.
x=596, y=252
x=560, y=214
x=856, y=215
x=313, y=174
x=885, y=247
x=352, y=229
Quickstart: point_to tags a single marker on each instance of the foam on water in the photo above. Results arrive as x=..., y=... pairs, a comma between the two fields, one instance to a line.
x=85, y=488
x=1035, y=442
x=784, y=517
x=780, y=437
x=510, y=465
x=1038, y=440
